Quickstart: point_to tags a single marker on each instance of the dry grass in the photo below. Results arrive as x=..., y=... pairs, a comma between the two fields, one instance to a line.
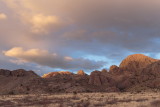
x=82, y=100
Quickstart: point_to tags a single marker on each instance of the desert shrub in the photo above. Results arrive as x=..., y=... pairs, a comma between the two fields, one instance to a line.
x=155, y=103
x=33, y=100
x=86, y=103
x=113, y=101
x=75, y=93
x=6, y=103
x=102, y=95
x=11, y=93
x=75, y=97
x=139, y=91
x=141, y=100
x=142, y=106
x=125, y=100
x=100, y=104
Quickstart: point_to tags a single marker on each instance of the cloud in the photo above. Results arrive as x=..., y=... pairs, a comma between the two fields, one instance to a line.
x=2, y=16
x=18, y=62
x=43, y=57
x=38, y=22
x=41, y=22
x=107, y=28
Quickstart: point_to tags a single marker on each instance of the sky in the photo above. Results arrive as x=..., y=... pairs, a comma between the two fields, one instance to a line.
x=54, y=35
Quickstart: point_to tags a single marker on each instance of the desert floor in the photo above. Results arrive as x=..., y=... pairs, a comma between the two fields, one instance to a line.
x=82, y=100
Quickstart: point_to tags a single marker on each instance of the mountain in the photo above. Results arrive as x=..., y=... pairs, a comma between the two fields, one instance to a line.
x=136, y=73
x=136, y=62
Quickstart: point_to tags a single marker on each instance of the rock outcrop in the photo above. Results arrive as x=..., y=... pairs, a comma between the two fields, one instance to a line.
x=4, y=72
x=136, y=62
x=152, y=69
x=114, y=69
x=52, y=74
x=151, y=75
x=96, y=78
x=11, y=80
x=17, y=73
x=81, y=72
x=104, y=71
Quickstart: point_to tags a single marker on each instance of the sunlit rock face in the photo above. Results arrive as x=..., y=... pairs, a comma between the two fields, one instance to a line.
x=52, y=74
x=136, y=62
x=104, y=71
x=81, y=72
x=114, y=69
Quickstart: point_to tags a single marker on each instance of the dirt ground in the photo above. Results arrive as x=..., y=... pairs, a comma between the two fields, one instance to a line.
x=82, y=100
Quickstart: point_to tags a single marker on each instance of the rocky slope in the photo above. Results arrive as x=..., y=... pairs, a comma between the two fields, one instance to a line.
x=135, y=73
x=10, y=80
x=136, y=62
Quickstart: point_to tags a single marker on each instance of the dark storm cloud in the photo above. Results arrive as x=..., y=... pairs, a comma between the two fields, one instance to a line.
x=132, y=25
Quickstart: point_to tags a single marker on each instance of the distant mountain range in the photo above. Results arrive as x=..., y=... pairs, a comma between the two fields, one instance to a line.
x=136, y=73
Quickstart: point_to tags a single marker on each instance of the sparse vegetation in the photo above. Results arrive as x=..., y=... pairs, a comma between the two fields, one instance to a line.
x=82, y=100
x=155, y=103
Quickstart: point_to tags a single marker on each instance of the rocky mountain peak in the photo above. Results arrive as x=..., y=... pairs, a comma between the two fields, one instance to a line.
x=81, y=72
x=52, y=74
x=135, y=62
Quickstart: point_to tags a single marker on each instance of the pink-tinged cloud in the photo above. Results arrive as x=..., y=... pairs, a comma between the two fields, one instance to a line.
x=43, y=57
x=3, y=16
